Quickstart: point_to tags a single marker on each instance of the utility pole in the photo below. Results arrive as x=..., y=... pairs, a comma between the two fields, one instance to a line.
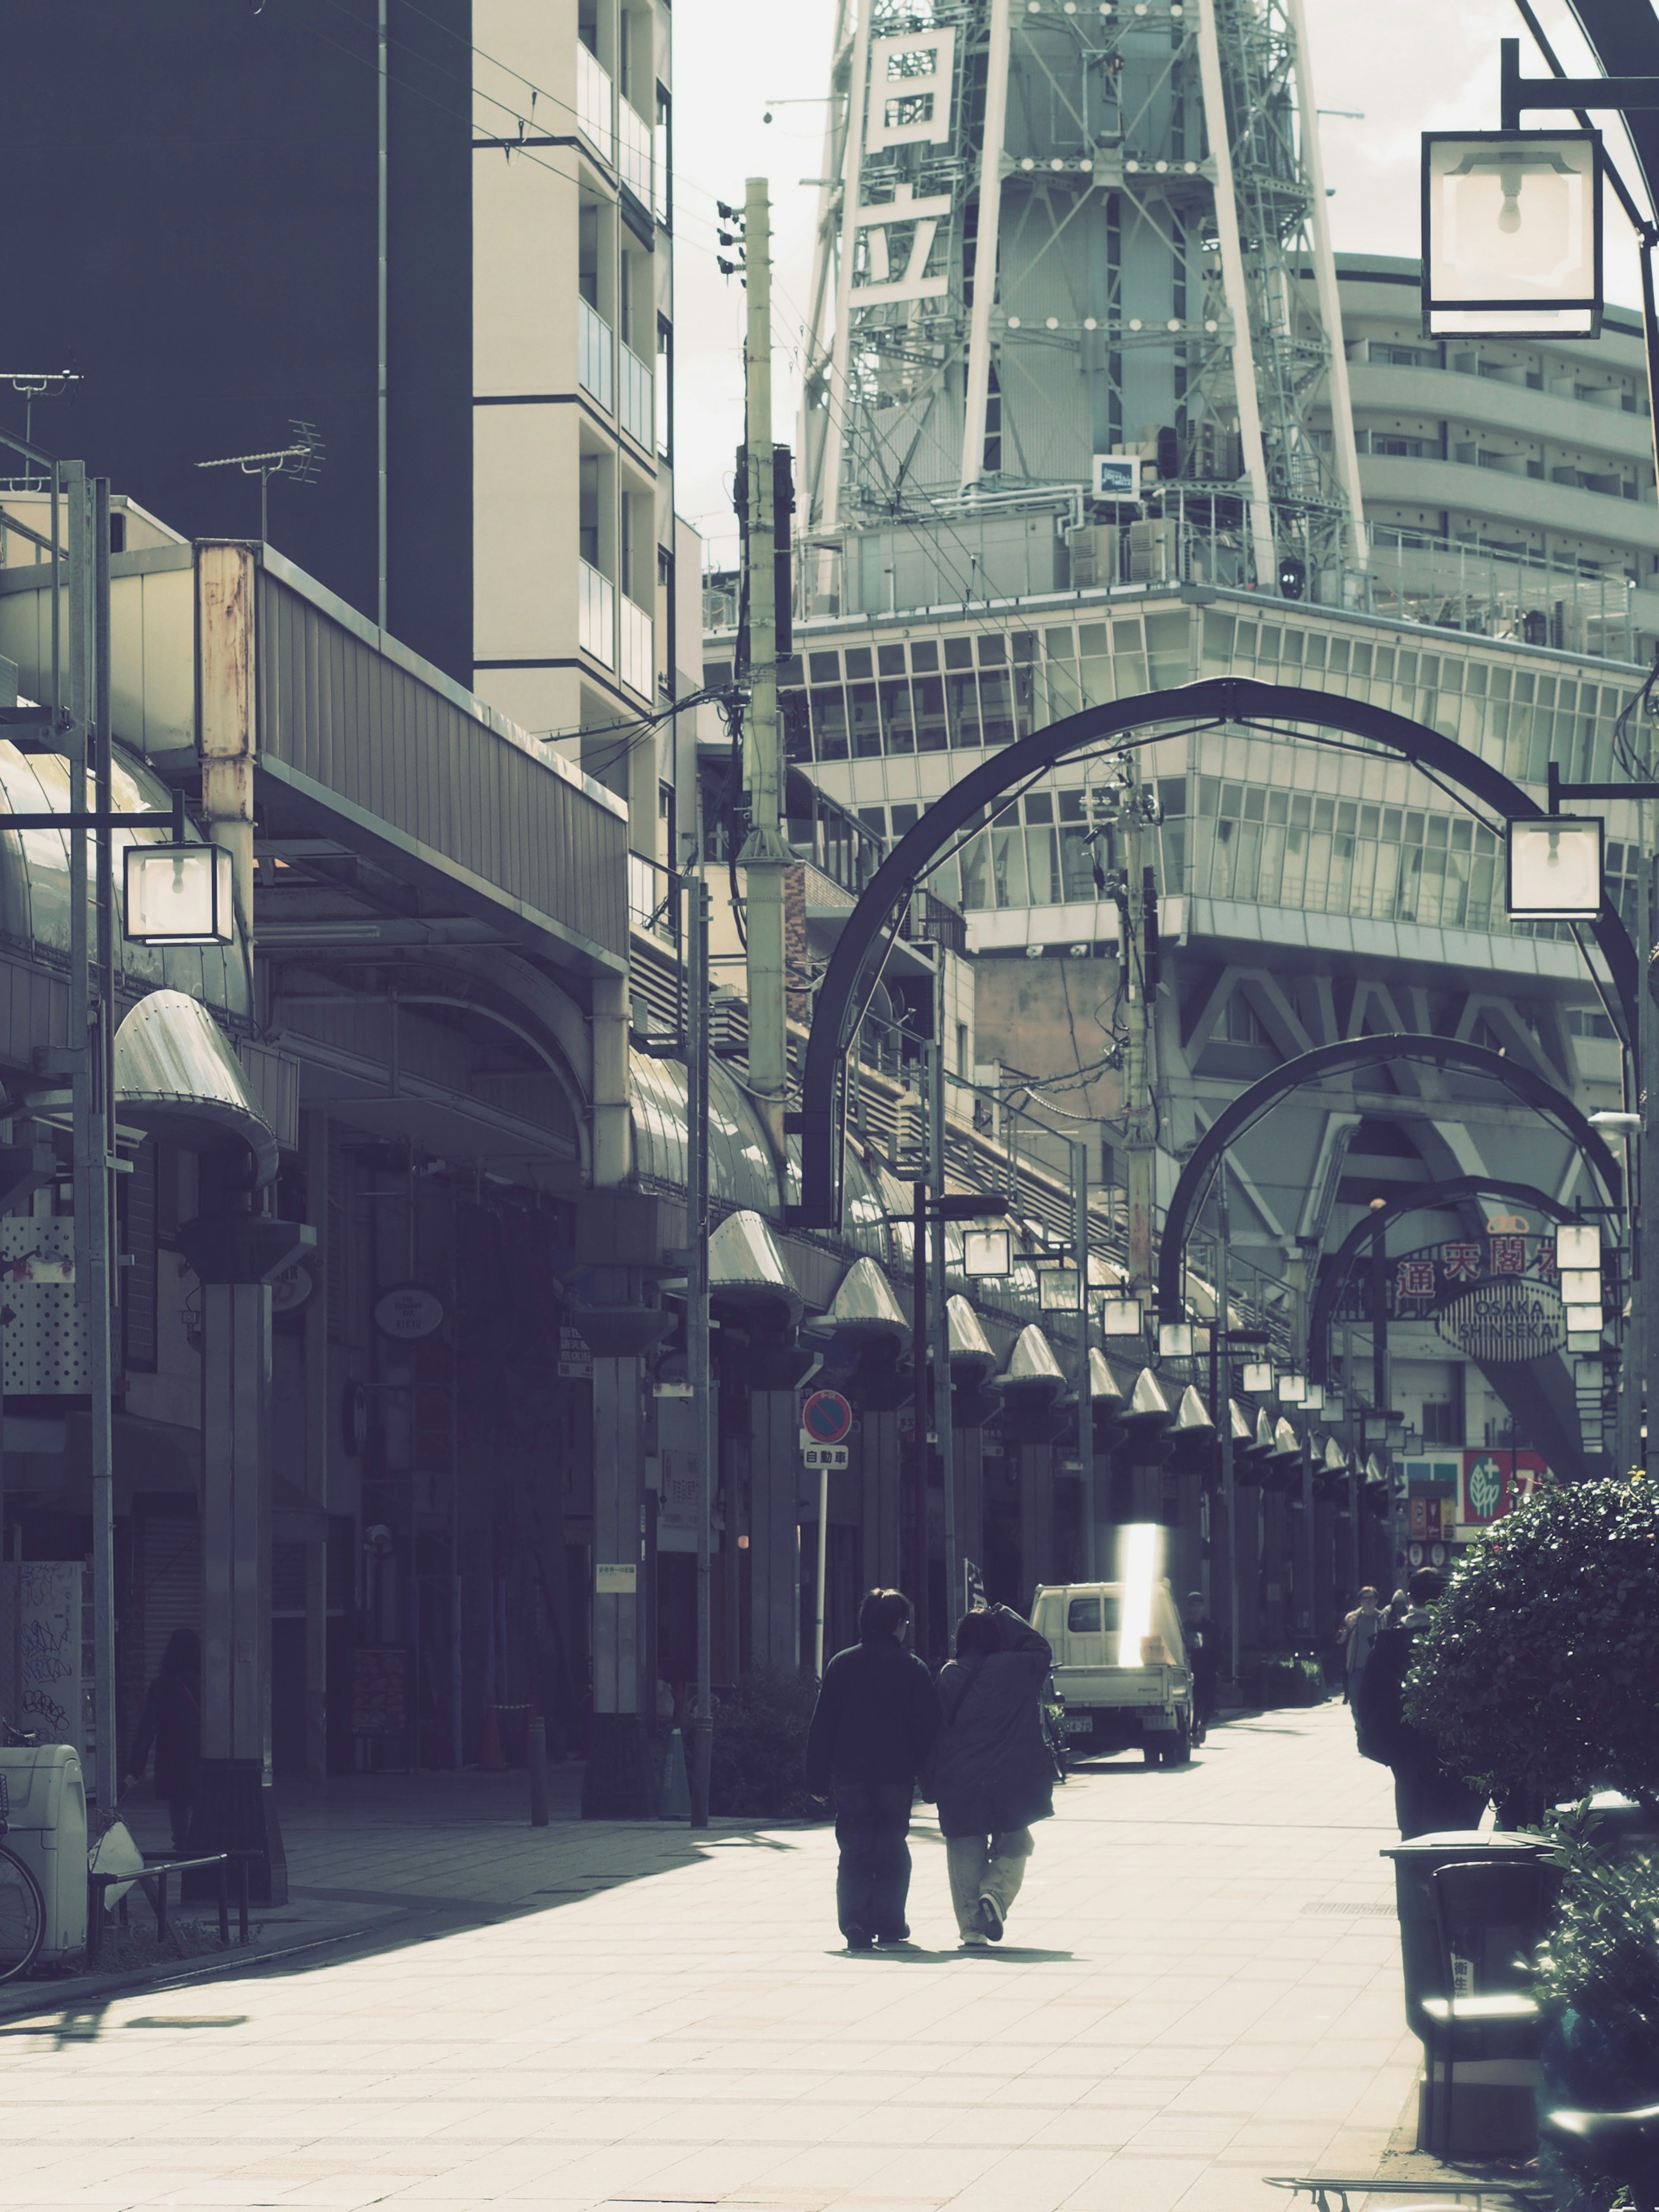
x=91, y=1048
x=1222, y=1414
x=943, y=1404
x=1139, y=1139
x=698, y=1365
x=1085, y=1403
x=920, y=1223
x=765, y=855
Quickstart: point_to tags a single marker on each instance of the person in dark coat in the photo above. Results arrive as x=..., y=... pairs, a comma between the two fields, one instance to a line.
x=992, y=1775
x=1428, y=1796
x=170, y=1723
x=872, y=1731
x=1204, y=1656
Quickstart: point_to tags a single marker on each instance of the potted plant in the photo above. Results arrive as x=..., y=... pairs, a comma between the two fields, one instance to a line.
x=1598, y=1982
x=1536, y=1671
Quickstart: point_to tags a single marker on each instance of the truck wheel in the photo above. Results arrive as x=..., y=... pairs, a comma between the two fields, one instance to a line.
x=1150, y=1753
x=1180, y=1750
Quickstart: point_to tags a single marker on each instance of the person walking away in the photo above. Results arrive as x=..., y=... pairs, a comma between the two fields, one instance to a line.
x=1358, y=1634
x=170, y=1724
x=1428, y=1796
x=1204, y=1658
x=992, y=1775
x=870, y=1737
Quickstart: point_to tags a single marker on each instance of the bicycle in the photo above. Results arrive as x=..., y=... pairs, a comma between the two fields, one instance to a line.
x=1052, y=1710
x=22, y=1906
x=1619, y=2147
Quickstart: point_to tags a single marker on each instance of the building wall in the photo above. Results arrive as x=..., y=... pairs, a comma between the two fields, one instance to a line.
x=206, y=263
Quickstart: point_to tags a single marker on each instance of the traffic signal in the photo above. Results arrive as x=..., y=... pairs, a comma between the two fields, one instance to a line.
x=1292, y=576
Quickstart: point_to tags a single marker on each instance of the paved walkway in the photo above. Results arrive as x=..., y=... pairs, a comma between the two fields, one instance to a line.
x=1201, y=1985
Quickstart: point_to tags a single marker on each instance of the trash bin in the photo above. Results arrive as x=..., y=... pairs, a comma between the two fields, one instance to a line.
x=46, y=1827
x=1506, y=2083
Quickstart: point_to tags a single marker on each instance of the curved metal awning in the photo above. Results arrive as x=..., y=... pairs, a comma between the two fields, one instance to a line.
x=970, y=1345
x=1286, y=1442
x=746, y=1267
x=740, y=1169
x=174, y=1067
x=1238, y=1422
x=1336, y=1460
x=865, y=1306
x=1031, y=1364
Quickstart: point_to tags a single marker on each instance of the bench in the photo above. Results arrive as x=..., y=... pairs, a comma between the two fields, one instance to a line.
x=154, y=1882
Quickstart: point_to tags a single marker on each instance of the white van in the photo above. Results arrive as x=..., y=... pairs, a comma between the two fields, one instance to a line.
x=1111, y=1706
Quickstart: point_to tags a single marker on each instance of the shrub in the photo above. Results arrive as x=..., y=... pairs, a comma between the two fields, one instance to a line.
x=1535, y=1674
x=757, y=1768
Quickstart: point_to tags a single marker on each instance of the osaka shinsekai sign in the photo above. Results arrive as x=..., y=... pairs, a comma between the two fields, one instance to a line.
x=1496, y=1297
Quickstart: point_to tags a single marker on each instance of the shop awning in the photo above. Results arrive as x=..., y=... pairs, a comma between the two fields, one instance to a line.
x=864, y=1305
x=746, y=1267
x=1032, y=1365
x=970, y=1345
x=175, y=1067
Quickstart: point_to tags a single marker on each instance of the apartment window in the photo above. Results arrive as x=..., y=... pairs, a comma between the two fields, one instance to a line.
x=665, y=393
x=662, y=165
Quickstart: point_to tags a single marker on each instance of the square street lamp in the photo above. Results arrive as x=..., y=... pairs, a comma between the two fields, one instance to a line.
x=1581, y=1286
x=1060, y=1289
x=1119, y=1317
x=1578, y=1244
x=1258, y=1377
x=1313, y=1397
x=1555, y=867
x=1292, y=1388
x=987, y=1252
x=1512, y=233
x=178, y=894
x=1175, y=1340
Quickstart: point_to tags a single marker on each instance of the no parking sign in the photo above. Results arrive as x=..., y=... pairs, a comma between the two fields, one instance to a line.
x=826, y=1422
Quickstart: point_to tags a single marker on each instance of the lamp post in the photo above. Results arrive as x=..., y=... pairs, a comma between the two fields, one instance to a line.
x=1555, y=874
x=992, y=1256
x=1512, y=246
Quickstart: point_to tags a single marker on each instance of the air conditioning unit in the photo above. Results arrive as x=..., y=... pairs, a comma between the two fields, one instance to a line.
x=1095, y=554
x=1152, y=552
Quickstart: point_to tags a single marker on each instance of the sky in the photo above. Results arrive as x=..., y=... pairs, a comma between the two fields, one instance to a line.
x=1407, y=66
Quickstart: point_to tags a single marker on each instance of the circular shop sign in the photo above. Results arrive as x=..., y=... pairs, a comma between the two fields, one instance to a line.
x=827, y=1418
x=409, y=1311
x=1505, y=1321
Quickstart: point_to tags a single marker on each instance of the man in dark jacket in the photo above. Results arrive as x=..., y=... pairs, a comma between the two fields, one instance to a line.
x=170, y=1723
x=993, y=1775
x=872, y=1731
x=1428, y=1797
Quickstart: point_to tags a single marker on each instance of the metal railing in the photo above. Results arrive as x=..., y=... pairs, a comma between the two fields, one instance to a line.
x=596, y=614
x=635, y=407
x=594, y=102
x=637, y=648
x=593, y=352
x=634, y=150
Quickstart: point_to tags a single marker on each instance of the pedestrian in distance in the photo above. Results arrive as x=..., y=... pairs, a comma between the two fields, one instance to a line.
x=870, y=1738
x=993, y=1775
x=170, y=1724
x=1428, y=1796
x=1204, y=1658
x=1356, y=1636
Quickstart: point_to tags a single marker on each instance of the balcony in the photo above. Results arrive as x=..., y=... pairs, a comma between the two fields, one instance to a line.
x=636, y=407
x=596, y=615
x=594, y=347
x=633, y=151
x=594, y=104
x=637, y=648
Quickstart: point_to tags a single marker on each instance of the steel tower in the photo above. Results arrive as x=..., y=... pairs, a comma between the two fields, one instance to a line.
x=1054, y=229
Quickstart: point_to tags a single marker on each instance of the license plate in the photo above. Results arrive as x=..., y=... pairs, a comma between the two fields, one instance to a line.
x=1079, y=1723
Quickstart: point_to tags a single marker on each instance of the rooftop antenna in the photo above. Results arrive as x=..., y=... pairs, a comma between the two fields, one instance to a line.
x=37, y=384
x=300, y=460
